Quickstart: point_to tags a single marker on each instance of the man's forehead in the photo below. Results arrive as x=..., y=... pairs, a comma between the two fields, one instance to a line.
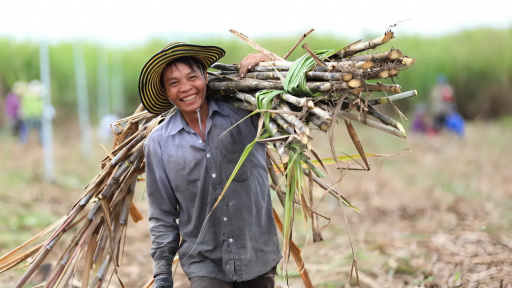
x=178, y=69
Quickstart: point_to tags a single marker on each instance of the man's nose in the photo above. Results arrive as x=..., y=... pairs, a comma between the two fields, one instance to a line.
x=185, y=86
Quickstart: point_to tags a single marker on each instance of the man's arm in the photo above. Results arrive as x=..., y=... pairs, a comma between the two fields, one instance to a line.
x=163, y=210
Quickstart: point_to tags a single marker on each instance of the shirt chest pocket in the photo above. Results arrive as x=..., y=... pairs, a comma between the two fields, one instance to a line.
x=186, y=169
x=231, y=149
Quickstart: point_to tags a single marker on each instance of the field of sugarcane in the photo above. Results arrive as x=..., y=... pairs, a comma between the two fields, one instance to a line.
x=475, y=79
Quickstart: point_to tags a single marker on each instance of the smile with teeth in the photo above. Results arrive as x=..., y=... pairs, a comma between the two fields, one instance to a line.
x=189, y=98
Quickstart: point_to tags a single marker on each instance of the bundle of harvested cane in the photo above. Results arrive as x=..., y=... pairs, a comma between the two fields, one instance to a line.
x=313, y=91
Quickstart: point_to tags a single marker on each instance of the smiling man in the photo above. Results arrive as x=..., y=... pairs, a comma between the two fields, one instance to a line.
x=188, y=163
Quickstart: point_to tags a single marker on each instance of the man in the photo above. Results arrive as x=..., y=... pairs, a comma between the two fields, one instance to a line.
x=188, y=163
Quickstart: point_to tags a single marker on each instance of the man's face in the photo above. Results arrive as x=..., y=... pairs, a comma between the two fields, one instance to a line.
x=185, y=87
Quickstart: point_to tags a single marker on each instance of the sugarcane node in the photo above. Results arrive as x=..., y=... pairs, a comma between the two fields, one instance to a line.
x=393, y=72
x=388, y=36
x=367, y=65
x=383, y=74
x=354, y=83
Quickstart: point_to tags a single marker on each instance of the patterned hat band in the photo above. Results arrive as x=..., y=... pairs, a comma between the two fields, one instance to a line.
x=152, y=94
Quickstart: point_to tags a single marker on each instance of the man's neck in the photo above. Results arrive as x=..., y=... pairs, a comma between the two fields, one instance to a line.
x=192, y=119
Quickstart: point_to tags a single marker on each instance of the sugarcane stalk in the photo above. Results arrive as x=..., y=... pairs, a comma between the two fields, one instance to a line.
x=273, y=66
x=39, y=260
x=323, y=114
x=101, y=272
x=280, y=146
x=318, y=73
x=345, y=66
x=98, y=254
x=296, y=123
x=244, y=85
x=393, y=98
x=318, y=61
x=395, y=88
x=283, y=123
x=229, y=88
x=313, y=75
x=122, y=168
x=127, y=204
x=256, y=46
x=88, y=259
x=245, y=97
x=319, y=122
x=50, y=243
x=384, y=118
x=243, y=105
x=275, y=63
x=362, y=46
x=300, y=40
x=348, y=116
x=393, y=54
x=299, y=102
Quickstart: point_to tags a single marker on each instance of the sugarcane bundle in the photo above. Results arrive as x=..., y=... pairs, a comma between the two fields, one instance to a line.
x=291, y=97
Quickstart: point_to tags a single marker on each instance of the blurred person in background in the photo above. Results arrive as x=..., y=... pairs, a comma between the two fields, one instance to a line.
x=421, y=123
x=454, y=122
x=104, y=129
x=12, y=107
x=32, y=111
x=441, y=100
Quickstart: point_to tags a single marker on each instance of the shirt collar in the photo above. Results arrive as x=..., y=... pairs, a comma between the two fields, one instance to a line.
x=178, y=122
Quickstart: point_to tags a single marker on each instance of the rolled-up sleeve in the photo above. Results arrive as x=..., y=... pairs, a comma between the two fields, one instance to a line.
x=163, y=209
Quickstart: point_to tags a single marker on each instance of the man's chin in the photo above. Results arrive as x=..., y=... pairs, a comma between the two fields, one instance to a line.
x=188, y=108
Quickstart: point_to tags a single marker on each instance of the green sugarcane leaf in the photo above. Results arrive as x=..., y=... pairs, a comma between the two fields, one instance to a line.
x=295, y=82
x=264, y=102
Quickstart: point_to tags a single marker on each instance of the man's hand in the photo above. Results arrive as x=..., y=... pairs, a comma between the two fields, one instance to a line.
x=249, y=62
x=163, y=281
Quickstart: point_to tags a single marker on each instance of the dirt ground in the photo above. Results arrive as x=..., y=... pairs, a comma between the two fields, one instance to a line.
x=436, y=216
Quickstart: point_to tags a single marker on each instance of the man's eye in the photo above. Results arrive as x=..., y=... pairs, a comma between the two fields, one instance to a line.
x=192, y=77
x=173, y=83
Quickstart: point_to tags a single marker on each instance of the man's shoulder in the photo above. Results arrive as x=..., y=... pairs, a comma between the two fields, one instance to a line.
x=155, y=136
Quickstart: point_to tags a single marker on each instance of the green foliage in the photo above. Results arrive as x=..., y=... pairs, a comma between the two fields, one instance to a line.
x=295, y=82
x=476, y=62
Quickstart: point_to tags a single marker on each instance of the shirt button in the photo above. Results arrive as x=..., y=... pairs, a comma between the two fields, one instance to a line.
x=230, y=240
x=208, y=155
x=200, y=141
x=213, y=175
x=225, y=218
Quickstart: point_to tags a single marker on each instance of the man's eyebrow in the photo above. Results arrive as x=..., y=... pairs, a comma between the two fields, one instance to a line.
x=187, y=74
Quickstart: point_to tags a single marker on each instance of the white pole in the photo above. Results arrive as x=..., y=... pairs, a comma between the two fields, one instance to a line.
x=103, y=84
x=118, y=85
x=48, y=112
x=83, y=101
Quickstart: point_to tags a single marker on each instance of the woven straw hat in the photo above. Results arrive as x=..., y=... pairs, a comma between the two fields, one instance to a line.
x=152, y=94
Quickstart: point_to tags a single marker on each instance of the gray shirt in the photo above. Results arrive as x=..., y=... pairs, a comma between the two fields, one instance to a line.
x=184, y=178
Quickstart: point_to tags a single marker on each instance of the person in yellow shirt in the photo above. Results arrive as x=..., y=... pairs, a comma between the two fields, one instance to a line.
x=31, y=111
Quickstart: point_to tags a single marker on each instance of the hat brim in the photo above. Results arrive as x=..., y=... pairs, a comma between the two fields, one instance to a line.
x=152, y=94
